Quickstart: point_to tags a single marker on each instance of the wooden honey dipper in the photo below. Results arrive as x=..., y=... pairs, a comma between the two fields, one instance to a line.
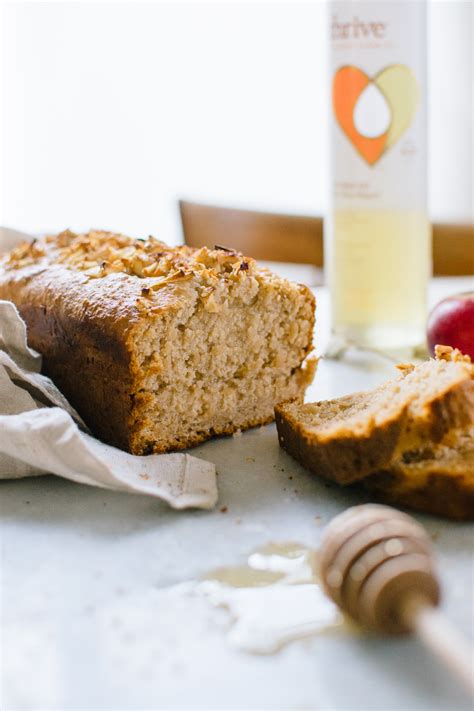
x=376, y=564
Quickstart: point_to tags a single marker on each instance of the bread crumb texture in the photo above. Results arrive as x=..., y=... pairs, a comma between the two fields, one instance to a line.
x=161, y=347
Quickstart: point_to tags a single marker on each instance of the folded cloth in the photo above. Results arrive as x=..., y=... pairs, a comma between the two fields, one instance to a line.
x=40, y=433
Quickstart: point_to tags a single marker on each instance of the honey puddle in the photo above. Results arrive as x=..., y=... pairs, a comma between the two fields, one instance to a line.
x=274, y=599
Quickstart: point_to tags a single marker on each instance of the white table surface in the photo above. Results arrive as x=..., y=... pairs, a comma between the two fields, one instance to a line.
x=88, y=619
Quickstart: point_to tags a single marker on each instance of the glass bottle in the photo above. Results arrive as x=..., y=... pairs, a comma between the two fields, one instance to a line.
x=377, y=236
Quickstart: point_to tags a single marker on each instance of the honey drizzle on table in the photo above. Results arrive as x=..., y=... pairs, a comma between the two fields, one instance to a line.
x=273, y=599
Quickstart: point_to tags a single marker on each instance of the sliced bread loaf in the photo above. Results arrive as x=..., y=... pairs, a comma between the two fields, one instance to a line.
x=157, y=347
x=347, y=439
x=438, y=479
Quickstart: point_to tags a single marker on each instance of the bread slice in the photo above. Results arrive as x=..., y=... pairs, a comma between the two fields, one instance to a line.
x=437, y=479
x=159, y=348
x=347, y=439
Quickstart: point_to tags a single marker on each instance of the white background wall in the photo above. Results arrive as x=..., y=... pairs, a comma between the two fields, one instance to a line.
x=111, y=111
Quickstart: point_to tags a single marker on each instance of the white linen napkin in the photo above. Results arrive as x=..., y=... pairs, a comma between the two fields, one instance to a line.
x=40, y=433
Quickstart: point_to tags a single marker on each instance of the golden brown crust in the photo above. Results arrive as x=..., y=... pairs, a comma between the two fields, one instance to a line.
x=82, y=332
x=442, y=494
x=438, y=480
x=85, y=298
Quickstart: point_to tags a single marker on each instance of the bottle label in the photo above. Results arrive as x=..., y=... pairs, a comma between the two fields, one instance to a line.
x=378, y=103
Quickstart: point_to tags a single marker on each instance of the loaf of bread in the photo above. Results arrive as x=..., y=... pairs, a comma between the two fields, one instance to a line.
x=347, y=439
x=438, y=479
x=160, y=348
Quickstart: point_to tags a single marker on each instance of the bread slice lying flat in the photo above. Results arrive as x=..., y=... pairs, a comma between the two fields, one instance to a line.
x=437, y=479
x=347, y=439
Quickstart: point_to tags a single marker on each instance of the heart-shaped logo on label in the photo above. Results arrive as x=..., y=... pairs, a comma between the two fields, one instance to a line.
x=374, y=112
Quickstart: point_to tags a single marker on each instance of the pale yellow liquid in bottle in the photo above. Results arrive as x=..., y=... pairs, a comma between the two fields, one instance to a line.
x=379, y=266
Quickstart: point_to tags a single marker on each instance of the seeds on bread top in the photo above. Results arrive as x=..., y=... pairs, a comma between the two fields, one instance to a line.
x=140, y=277
x=99, y=253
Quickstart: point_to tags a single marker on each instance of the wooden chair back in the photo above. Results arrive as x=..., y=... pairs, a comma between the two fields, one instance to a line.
x=299, y=239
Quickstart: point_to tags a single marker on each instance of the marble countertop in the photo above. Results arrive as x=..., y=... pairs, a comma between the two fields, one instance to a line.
x=88, y=615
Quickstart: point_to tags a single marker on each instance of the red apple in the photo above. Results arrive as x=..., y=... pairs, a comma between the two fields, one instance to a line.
x=451, y=323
